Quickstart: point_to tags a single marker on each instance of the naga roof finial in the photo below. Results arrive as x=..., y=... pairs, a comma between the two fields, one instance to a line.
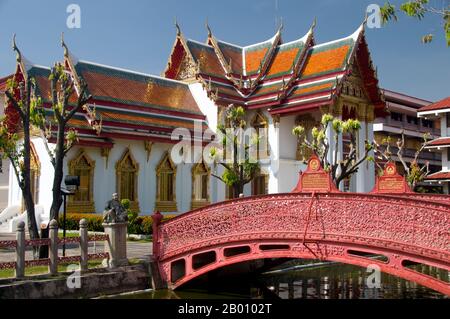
x=177, y=26
x=15, y=48
x=313, y=25
x=208, y=28
x=280, y=28
x=63, y=44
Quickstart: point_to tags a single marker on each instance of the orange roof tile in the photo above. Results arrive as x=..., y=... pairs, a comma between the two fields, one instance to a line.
x=325, y=61
x=253, y=59
x=312, y=89
x=283, y=62
x=106, y=83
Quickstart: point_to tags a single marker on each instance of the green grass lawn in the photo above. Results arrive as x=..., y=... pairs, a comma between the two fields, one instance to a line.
x=40, y=270
x=68, y=235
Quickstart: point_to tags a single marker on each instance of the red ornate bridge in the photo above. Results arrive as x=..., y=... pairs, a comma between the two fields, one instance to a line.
x=340, y=227
x=405, y=228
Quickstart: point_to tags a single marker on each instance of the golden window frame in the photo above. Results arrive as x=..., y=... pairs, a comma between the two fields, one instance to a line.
x=160, y=205
x=134, y=202
x=88, y=206
x=197, y=169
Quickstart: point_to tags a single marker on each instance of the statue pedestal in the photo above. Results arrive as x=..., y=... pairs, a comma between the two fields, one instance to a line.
x=116, y=246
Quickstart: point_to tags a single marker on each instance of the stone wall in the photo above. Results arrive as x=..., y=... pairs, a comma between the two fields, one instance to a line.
x=94, y=283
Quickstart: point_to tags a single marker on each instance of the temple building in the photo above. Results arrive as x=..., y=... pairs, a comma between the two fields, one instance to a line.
x=440, y=111
x=282, y=85
x=125, y=130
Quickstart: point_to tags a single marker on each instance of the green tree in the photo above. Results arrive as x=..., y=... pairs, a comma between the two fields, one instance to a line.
x=418, y=9
x=62, y=89
x=415, y=172
x=320, y=146
x=242, y=165
x=23, y=99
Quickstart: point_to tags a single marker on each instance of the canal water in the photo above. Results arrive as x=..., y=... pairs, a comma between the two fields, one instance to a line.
x=322, y=281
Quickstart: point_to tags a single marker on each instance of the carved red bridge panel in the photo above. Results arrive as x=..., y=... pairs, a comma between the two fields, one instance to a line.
x=316, y=221
x=328, y=226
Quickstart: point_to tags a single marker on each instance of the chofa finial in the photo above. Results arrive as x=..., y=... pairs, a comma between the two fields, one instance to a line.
x=177, y=26
x=314, y=23
x=281, y=26
x=16, y=49
x=63, y=44
x=208, y=28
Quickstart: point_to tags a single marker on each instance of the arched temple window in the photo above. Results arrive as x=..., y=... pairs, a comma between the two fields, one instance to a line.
x=261, y=126
x=127, y=179
x=200, y=185
x=166, y=185
x=83, y=200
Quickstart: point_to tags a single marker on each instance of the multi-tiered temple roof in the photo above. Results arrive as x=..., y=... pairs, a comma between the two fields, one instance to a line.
x=124, y=104
x=285, y=77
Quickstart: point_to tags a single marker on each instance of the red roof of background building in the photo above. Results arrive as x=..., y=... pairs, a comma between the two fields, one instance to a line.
x=440, y=105
x=440, y=142
x=438, y=176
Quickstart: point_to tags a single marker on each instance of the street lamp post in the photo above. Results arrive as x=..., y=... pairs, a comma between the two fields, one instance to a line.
x=72, y=183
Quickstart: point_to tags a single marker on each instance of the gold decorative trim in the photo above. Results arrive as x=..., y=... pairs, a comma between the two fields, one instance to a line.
x=148, y=148
x=104, y=152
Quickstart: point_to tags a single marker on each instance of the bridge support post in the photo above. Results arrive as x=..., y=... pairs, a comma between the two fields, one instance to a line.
x=157, y=218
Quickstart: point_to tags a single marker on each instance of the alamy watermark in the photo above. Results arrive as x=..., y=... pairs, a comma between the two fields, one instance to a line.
x=373, y=12
x=373, y=280
x=239, y=144
x=73, y=280
x=74, y=19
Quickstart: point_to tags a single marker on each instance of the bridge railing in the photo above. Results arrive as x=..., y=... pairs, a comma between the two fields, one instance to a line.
x=407, y=221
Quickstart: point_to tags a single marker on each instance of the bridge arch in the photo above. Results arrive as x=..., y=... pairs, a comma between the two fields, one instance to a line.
x=340, y=227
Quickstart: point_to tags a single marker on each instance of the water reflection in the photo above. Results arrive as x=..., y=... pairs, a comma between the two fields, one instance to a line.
x=342, y=282
x=330, y=281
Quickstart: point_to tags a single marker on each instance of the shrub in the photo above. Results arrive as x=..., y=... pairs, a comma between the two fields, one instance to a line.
x=125, y=203
x=73, y=221
x=140, y=225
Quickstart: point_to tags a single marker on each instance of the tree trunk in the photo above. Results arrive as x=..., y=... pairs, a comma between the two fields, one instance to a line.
x=26, y=190
x=238, y=189
x=59, y=161
x=57, y=180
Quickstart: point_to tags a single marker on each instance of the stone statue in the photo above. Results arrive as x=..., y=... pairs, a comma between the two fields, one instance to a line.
x=114, y=211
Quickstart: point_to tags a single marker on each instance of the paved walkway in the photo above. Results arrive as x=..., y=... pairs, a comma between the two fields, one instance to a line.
x=134, y=249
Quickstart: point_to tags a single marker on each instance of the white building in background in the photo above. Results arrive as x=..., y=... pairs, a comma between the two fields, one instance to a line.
x=125, y=142
x=440, y=111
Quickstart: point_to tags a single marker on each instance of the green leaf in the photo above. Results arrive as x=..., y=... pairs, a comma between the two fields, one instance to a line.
x=388, y=13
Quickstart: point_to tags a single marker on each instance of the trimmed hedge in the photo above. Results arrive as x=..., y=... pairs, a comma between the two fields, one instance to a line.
x=141, y=225
x=73, y=221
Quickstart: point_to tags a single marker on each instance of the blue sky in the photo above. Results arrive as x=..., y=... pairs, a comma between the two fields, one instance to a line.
x=138, y=35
